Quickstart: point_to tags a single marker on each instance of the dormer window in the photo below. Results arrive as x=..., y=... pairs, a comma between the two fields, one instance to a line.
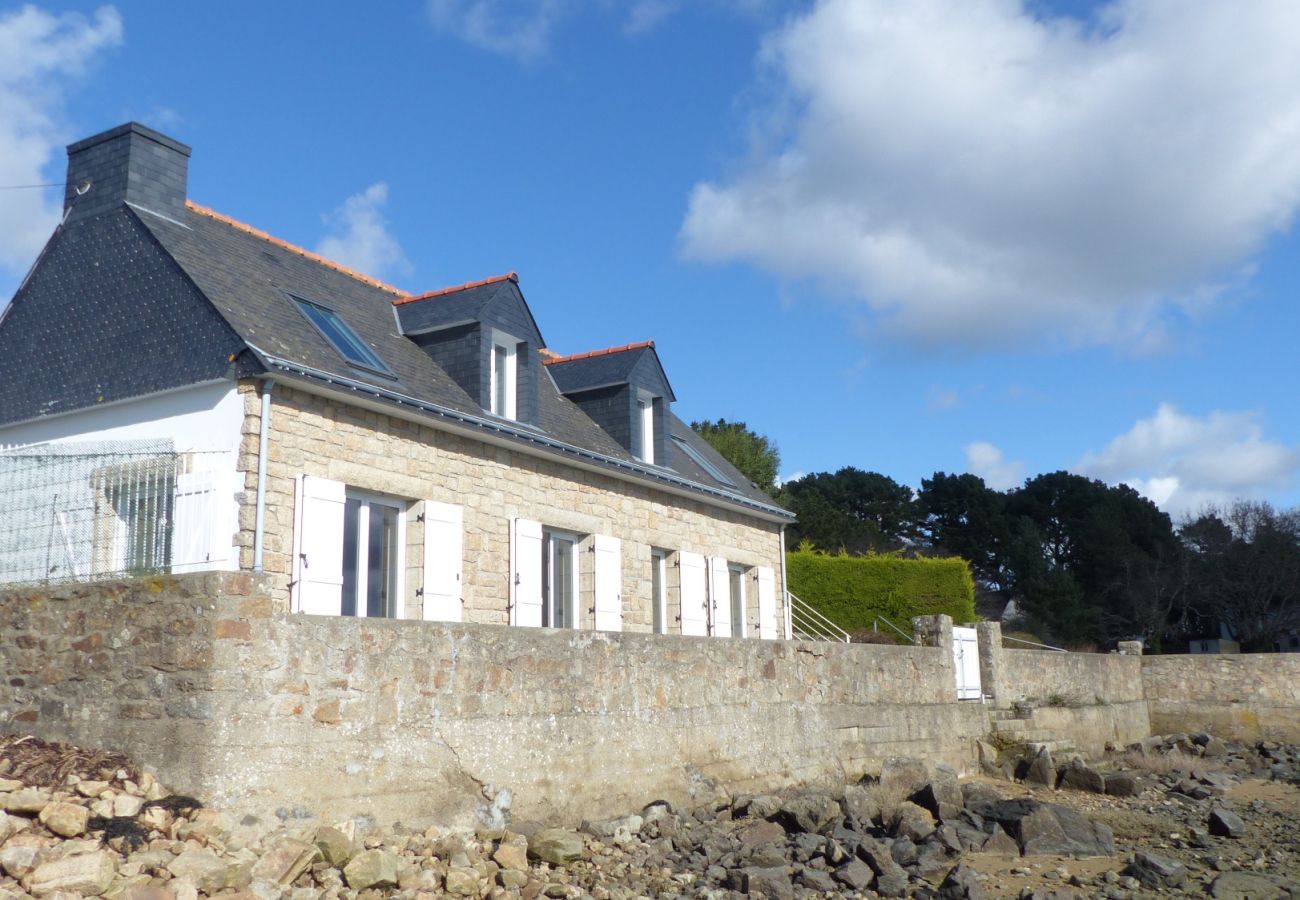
x=645, y=411
x=503, y=376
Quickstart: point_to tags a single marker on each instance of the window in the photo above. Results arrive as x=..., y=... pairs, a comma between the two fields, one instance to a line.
x=736, y=589
x=645, y=408
x=371, y=556
x=503, y=376
x=714, y=472
x=341, y=336
x=659, y=589
x=142, y=532
x=559, y=579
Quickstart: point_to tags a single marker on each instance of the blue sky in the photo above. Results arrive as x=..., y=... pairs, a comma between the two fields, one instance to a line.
x=980, y=236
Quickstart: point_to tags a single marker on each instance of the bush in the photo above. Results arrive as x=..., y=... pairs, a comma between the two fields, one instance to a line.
x=852, y=590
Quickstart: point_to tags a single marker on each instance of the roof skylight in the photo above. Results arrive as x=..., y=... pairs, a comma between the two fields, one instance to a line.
x=714, y=472
x=341, y=336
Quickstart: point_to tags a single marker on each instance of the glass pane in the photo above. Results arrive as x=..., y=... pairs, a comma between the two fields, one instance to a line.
x=351, y=513
x=657, y=591
x=548, y=594
x=563, y=569
x=338, y=333
x=737, y=604
x=381, y=561
x=499, y=376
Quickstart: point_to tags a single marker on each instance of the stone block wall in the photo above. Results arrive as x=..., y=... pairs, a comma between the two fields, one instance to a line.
x=209, y=679
x=388, y=455
x=1248, y=696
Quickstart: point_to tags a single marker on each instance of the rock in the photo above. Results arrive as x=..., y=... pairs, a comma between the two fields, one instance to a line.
x=903, y=774
x=1079, y=776
x=202, y=867
x=371, y=868
x=335, y=847
x=1214, y=748
x=286, y=859
x=1001, y=843
x=809, y=813
x=513, y=879
x=22, y=853
x=557, y=846
x=975, y=791
x=65, y=819
x=860, y=804
x=462, y=881
x=1225, y=823
x=512, y=852
x=762, y=807
x=1042, y=771
x=28, y=801
x=817, y=880
x=87, y=874
x=8, y=785
x=1156, y=871
x=912, y=822
x=961, y=883
x=1122, y=784
x=127, y=805
x=855, y=875
x=769, y=881
x=1253, y=886
x=941, y=795
x=1048, y=828
x=891, y=879
x=760, y=834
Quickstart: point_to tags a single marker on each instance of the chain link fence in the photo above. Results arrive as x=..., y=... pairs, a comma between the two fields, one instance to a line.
x=112, y=509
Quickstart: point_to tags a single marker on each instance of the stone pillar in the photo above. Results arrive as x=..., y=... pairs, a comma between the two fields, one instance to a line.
x=993, y=673
x=934, y=631
x=1130, y=648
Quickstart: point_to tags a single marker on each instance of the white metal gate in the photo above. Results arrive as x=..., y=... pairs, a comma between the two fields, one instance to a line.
x=966, y=658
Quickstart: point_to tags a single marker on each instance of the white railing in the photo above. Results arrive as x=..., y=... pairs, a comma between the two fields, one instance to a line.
x=807, y=624
x=82, y=512
x=905, y=636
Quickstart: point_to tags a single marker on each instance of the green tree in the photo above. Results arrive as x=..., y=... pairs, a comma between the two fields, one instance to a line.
x=754, y=455
x=965, y=517
x=854, y=510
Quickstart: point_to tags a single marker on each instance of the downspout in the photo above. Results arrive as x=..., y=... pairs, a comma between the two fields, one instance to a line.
x=259, y=525
x=785, y=591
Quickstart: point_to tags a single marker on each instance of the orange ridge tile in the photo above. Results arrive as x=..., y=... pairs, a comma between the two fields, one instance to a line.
x=590, y=353
x=293, y=248
x=442, y=292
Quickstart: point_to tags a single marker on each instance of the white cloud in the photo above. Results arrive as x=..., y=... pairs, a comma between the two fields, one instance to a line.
x=41, y=54
x=793, y=476
x=360, y=237
x=1184, y=462
x=941, y=399
x=988, y=462
x=978, y=176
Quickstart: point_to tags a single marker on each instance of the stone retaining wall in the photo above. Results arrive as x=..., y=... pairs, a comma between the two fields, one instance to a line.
x=1245, y=696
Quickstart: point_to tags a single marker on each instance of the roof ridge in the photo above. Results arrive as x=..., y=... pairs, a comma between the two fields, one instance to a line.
x=442, y=292
x=590, y=353
x=292, y=248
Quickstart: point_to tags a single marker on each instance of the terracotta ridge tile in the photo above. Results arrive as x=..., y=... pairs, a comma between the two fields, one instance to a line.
x=590, y=353
x=442, y=292
x=292, y=248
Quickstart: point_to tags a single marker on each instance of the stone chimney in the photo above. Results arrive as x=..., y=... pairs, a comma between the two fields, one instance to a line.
x=126, y=164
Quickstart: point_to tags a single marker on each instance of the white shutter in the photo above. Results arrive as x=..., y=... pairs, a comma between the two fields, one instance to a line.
x=443, y=552
x=694, y=594
x=766, y=603
x=719, y=597
x=526, y=574
x=609, y=583
x=192, y=522
x=318, y=546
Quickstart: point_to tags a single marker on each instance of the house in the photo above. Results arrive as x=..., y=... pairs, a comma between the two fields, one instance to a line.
x=180, y=391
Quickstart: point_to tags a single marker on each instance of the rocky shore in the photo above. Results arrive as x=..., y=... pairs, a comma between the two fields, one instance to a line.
x=1183, y=815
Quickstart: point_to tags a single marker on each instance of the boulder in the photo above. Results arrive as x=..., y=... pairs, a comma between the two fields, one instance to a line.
x=817, y=880
x=770, y=881
x=912, y=822
x=1253, y=886
x=809, y=813
x=1122, y=784
x=941, y=795
x=1042, y=771
x=22, y=853
x=202, y=867
x=855, y=875
x=65, y=819
x=1079, y=776
x=28, y=801
x=87, y=874
x=891, y=878
x=335, y=847
x=370, y=869
x=860, y=804
x=961, y=883
x=462, y=881
x=1048, y=828
x=512, y=853
x=557, y=846
x=1000, y=843
x=903, y=774
x=1225, y=823
x=285, y=860
x=1155, y=871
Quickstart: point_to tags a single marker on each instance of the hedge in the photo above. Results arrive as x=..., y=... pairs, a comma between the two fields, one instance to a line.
x=852, y=590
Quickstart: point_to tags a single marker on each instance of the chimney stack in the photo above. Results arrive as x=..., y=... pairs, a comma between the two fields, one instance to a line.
x=126, y=164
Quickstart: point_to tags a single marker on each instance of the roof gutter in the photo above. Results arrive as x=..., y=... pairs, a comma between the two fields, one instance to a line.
x=503, y=434
x=259, y=527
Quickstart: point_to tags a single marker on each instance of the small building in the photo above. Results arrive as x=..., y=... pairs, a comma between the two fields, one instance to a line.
x=180, y=391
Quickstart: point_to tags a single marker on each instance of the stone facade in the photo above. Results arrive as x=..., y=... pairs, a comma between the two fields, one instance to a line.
x=388, y=455
x=1247, y=696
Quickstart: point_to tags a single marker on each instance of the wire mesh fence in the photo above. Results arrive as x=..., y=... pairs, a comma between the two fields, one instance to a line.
x=110, y=509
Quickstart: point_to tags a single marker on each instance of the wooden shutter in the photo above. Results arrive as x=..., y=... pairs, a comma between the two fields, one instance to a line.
x=694, y=593
x=443, y=555
x=719, y=597
x=766, y=603
x=609, y=582
x=526, y=575
x=318, y=546
x=202, y=530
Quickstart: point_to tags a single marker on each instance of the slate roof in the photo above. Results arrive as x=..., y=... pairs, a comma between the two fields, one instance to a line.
x=599, y=368
x=250, y=278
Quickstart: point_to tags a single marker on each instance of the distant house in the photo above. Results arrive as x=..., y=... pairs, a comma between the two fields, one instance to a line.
x=180, y=391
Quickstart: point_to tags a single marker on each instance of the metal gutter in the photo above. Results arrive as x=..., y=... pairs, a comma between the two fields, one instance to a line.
x=259, y=529
x=505, y=434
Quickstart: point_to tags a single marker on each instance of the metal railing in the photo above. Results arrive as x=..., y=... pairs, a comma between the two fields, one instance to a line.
x=109, y=509
x=911, y=639
x=1033, y=644
x=807, y=624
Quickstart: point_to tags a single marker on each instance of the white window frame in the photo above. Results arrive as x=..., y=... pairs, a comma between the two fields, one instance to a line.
x=503, y=344
x=736, y=595
x=367, y=498
x=659, y=599
x=645, y=403
x=548, y=578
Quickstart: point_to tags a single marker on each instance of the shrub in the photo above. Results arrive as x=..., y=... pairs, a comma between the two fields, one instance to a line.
x=852, y=590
